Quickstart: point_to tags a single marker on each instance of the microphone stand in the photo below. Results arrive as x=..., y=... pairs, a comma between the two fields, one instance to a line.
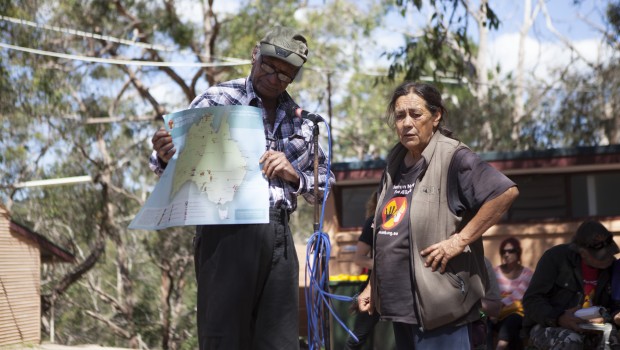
x=323, y=268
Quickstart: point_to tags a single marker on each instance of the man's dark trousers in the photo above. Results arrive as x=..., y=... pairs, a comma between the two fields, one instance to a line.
x=248, y=280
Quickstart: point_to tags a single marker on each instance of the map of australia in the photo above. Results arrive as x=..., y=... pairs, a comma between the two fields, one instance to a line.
x=214, y=178
x=216, y=168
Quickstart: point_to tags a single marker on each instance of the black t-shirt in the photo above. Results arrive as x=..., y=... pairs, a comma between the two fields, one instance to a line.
x=366, y=235
x=471, y=183
x=394, y=286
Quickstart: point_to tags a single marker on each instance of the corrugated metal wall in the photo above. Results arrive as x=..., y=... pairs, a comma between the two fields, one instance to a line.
x=20, y=303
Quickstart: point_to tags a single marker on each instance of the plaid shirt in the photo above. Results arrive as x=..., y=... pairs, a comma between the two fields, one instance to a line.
x=293, y=136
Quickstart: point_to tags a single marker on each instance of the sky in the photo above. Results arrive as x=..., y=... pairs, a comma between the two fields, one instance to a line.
x=543, y=47
x=572, y=20
x=544, y=50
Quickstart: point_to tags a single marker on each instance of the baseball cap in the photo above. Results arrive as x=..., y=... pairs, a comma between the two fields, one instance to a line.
x=286, y=44
x=594, y=237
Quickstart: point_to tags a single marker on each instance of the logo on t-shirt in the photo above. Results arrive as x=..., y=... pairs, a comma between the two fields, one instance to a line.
x=393, y=212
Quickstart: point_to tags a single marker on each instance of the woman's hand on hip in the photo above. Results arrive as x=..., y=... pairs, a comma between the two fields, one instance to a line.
x=440, y=253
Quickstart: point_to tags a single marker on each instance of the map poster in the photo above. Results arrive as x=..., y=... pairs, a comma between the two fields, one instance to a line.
x=214, y=177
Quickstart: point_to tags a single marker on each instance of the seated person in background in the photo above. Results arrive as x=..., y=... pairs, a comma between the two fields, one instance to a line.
x=364, y=323
x=567, y=278
x=513, y=279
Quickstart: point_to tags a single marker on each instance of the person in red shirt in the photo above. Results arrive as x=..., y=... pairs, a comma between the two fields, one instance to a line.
x=569, y=278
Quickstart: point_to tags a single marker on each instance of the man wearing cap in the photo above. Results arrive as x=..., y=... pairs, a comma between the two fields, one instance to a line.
x=248, y=275
x=567, y=278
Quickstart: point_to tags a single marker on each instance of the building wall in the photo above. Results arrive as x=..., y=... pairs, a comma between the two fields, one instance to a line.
x=20, y=302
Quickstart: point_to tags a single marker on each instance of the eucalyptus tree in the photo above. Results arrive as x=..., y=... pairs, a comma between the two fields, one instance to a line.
x=363, y=133
x=612, y=13
x=87, y=103
x=72, y=116
x=444, y=52
x=446, y=29
x=579, y=107
x=581, y=110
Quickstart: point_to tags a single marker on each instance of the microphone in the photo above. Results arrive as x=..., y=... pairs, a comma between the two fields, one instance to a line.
x=303, y=114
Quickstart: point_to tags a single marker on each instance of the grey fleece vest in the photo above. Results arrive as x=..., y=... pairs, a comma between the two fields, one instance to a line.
x=454, y=296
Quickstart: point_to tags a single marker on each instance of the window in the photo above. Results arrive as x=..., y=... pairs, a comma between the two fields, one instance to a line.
x=596, y=194
x=540, y=197
x=566, y=196
x=351, y=204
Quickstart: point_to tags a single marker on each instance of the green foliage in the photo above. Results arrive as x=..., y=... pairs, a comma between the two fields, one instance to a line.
x=182, y=33
x=362, y=131
x=467, y=114
x=53, y=113
x=449, y=23
x=613, y=18
x=585, y=111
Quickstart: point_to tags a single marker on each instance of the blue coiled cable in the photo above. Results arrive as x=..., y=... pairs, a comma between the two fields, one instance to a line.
x=317, y=277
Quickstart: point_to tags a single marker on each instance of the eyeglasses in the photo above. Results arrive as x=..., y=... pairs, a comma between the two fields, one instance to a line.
x=601, y=244
x=269, y=69
x=509, y=251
